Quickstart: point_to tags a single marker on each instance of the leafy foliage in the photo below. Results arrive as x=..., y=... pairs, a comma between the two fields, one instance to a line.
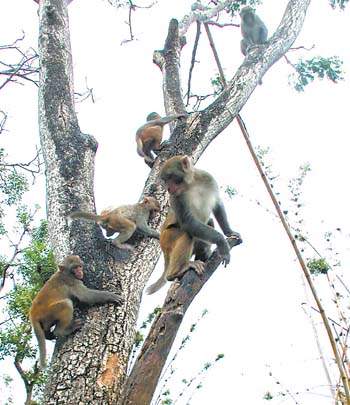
x=268, y=396
x=318, y=266
x=34, y=268
x=317, y=67
x=234, y=7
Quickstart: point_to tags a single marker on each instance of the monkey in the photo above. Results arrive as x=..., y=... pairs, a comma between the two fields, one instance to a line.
x=194, y=195
x=53, y=304
x=125, y=220
x=149, y=136
x=253, y=29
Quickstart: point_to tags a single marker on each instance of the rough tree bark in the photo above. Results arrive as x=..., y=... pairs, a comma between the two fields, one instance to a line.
x=90, y=366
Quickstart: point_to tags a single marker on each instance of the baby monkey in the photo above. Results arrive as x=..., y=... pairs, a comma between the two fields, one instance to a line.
x=188, y=229
x=125, y=220
x=150, y=135
x=253, y=30
x=53, y=304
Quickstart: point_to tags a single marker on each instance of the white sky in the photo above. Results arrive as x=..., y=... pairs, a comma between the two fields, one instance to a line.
x=255, y=314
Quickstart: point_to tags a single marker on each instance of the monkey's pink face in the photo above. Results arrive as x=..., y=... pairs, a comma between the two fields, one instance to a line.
x=78, y=272
x=174, y=187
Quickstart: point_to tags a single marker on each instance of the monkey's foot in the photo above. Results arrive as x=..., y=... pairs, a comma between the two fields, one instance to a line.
x=197, y=266
x=123, y=246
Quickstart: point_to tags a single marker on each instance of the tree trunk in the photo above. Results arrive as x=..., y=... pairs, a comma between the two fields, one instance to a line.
x=89, y=367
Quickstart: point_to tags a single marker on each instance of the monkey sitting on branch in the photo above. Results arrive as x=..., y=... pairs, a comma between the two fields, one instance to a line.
x=253, y=30
x=188, y=229
x=125, y=220
x=150, y=135
x=53, y=304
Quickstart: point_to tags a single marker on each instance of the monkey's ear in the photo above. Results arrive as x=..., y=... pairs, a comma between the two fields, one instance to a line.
x=61, y=267
x=187, y=164
x=146, y=200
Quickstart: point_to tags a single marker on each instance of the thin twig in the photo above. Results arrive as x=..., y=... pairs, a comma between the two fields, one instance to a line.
x=216, y=56
x=221, y=25
x=193, y=60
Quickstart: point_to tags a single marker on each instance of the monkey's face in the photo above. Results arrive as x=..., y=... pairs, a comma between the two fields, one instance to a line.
x=177, y=174
x=151, y=203
x=246, y=10
x=78, y=272
x=247, y=15
x=72, y=265
x=174, y=183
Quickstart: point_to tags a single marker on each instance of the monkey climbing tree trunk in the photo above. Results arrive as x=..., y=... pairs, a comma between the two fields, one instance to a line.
x=90, y=366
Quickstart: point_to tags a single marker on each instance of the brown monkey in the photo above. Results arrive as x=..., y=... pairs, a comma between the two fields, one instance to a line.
x=53, y=304
x=125, y=220
x=253, y=29
x=149, y=136
x=194, y=195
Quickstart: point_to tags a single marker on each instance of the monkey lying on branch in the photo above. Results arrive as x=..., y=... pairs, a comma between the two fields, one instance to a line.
x=124, y=219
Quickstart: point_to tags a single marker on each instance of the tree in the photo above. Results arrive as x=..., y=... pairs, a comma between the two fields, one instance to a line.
x=69, y=156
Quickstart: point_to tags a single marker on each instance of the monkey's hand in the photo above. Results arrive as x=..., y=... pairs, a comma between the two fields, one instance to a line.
x=117, y=298
x=236, y=236
x=224, y=252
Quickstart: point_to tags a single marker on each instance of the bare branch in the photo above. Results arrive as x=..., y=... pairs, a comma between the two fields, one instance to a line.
x=216, y=24
x=17, y=249
x=302, y=47
x=3, y=120
x=24, y=69
x=203, y=14
x=84, y=96
x=33, y=166
x=133, y=7
x=193, y=61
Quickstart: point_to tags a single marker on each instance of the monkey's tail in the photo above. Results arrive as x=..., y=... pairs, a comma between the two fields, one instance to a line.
x=139, y=147
x=157, y=285
x=84, y=215
x=40, y=335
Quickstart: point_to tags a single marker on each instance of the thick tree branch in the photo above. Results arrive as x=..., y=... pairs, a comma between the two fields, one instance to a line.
x=142, y=382
x=168, y=61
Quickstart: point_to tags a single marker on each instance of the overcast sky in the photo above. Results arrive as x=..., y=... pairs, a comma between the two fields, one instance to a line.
x=256, y=316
